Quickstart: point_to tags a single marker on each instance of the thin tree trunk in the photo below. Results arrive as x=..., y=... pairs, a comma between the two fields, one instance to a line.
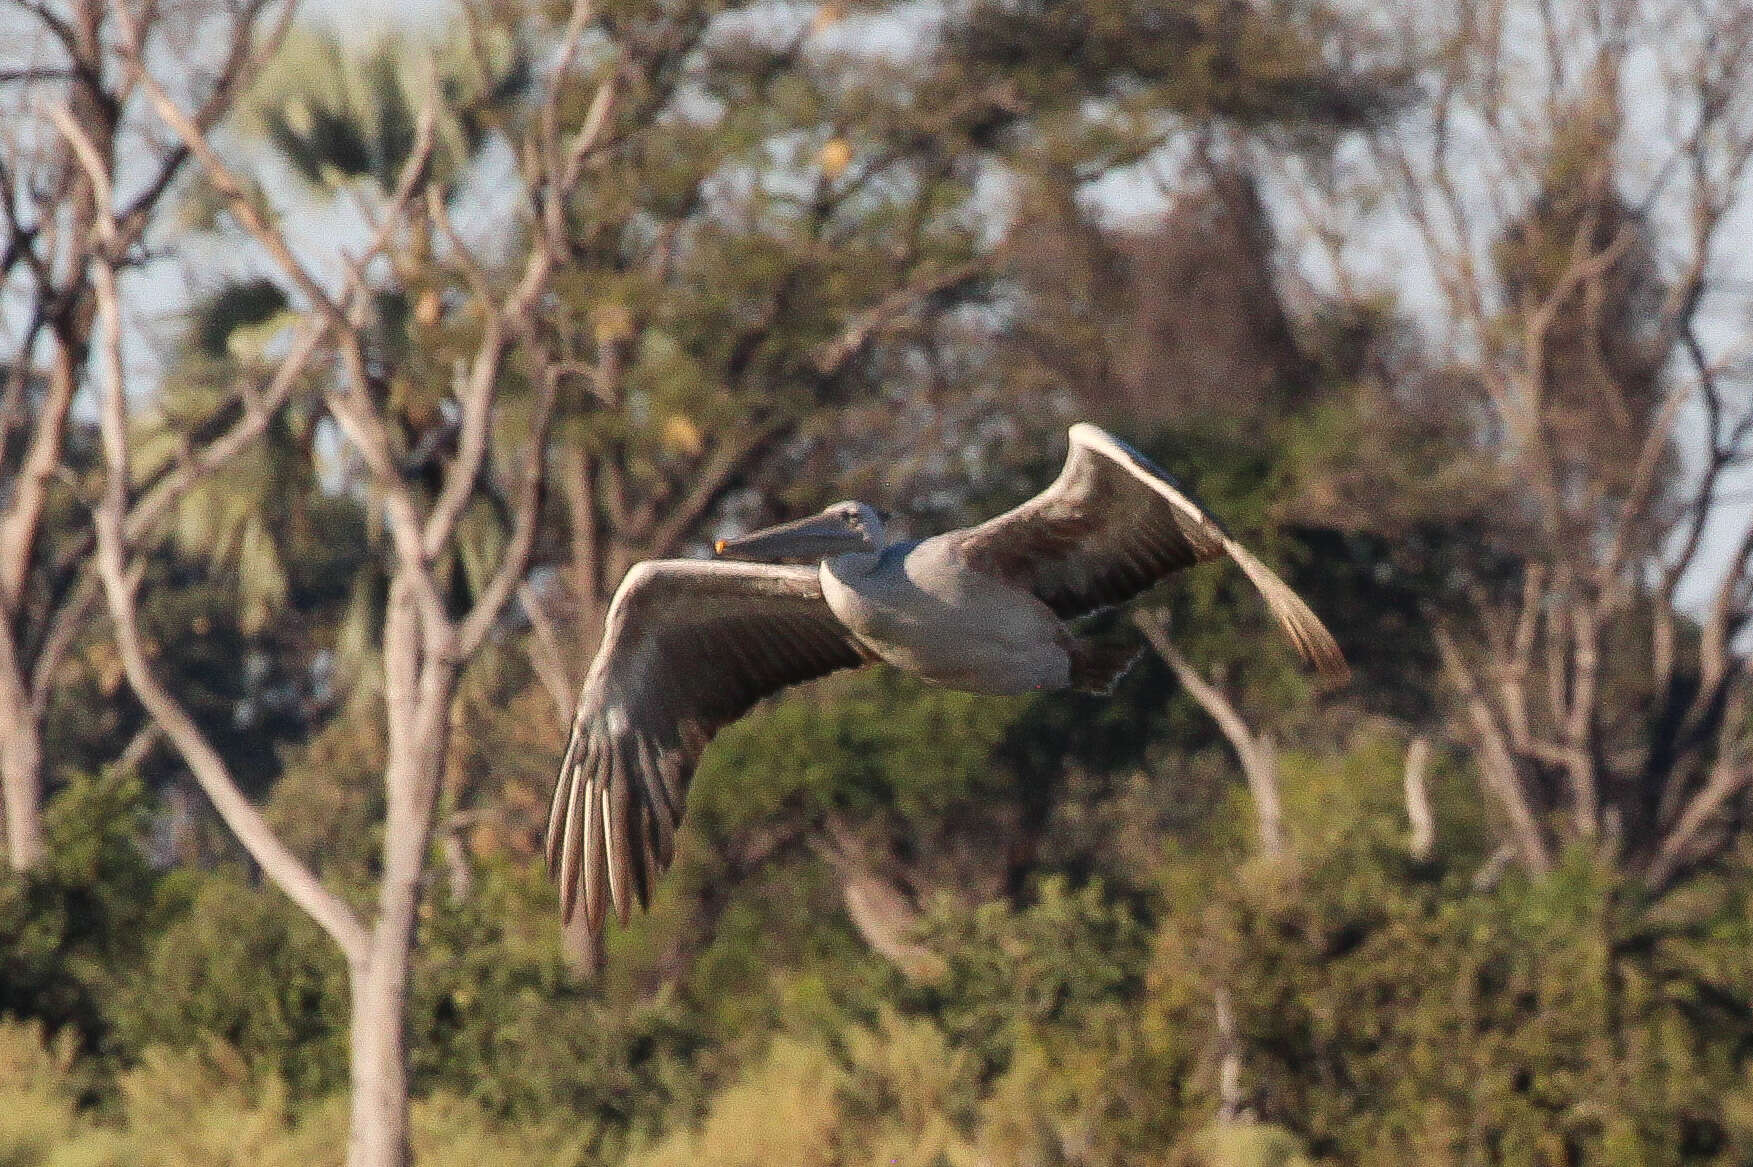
x=1497, y=763
x=419, y=683
x=423, y=650
x=21, y=752
x=1229, y=1064
x=1261, y=767
x=378, y=1126
x=21, y=764
x=459, y=878
x=21, y=758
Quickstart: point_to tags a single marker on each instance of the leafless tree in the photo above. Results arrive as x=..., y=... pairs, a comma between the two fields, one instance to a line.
x=426, y=640
x=64, y=57
x=1571, y=186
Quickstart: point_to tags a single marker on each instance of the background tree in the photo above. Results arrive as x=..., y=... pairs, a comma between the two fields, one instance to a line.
x=1055, y=285
x=429, y=631
x=1608, y=709
x=47, y=587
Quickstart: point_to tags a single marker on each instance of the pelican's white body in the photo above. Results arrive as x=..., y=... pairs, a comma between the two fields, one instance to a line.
x=919, y=607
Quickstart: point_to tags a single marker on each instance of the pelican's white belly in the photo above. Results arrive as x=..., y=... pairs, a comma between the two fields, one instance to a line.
x=919, y=609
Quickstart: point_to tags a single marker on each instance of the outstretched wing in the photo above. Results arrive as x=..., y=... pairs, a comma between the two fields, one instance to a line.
x=1112, y=525
x=689, y=646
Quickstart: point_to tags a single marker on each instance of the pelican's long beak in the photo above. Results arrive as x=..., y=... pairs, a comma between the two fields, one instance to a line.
x=814, y=537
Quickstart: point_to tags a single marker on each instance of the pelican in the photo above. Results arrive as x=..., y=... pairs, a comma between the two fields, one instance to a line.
x=690, y=645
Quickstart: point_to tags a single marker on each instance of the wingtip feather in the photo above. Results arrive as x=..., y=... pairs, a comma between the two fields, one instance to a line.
x=618, y=832
x=607, y=843
x=562, y=794
x=595, y=876
x=571, y=836
x=1086, y=433
x=1306, y=631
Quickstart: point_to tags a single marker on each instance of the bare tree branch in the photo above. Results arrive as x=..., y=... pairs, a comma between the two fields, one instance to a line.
x=515, y=561
x=545, y=654
x=1422, y=844
x=1259, y=759
x=1727, y=779
x=1578, y=310
x=879, y=909
x=20, y=522
x=223, y=178
x=1498, y=765
x=119, y=578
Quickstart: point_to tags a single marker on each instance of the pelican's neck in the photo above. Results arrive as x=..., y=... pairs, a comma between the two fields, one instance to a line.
x=852, y=565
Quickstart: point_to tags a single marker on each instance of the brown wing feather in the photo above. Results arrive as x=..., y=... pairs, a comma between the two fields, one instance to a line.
x=689, y=647
x=1112, y=525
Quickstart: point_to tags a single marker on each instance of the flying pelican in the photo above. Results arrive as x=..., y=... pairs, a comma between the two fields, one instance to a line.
x=691, y=645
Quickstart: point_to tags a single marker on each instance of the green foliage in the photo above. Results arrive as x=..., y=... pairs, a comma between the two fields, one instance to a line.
x=1043, y=1003
x=1396, y=1021
x=499, y=1020
x=337, y=114
x=784, y=1111
x=1386, y=1012
x=259, y=521
x=896, y=1092
x=240, y=968
x=501, y=1030
x=224, y=318
x=881, y=741
x=72, y=932
x=1244, y=1144
x=1014, y=976
x=1273, y=67
x=39, y=1096
x=734, y=980
x=211, y=1110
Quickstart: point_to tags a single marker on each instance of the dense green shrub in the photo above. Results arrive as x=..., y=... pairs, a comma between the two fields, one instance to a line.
x=239, y=966
x=1386, y=1011
x=499, y=1021
x=73, y=931
x=1392, y=1013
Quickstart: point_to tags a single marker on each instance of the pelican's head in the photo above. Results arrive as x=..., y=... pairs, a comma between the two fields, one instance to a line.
x=842, y=528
